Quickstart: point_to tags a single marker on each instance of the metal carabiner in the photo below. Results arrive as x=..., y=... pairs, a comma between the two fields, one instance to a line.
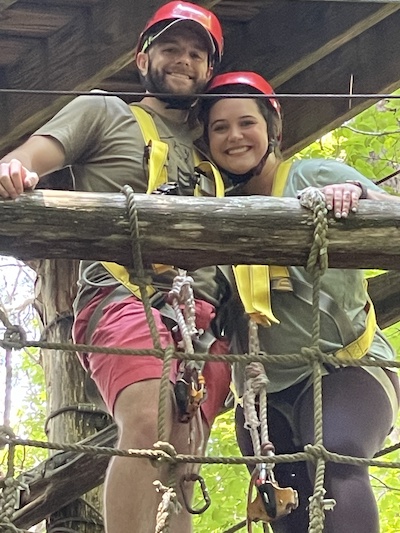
x=192, y=478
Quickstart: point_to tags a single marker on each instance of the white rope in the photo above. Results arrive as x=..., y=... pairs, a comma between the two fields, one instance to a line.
x=310, y=196
x=168, y=506
x=256, y=383
x=181, y=294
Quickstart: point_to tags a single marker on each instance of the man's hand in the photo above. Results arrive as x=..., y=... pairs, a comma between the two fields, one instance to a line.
x=15, y=179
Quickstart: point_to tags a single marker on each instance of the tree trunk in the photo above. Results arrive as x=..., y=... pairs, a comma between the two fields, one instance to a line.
x=67, y=421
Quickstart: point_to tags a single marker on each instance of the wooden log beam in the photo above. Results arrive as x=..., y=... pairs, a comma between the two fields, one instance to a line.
x=193, y=232
x=62, y=479
x=385, y=293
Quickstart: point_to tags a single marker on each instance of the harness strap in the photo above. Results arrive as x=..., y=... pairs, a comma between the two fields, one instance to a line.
x=253, y=281
x=210, y=179
x=157, y=149
x=254, y=284
x=360, y=346
x=254, y=290
x=329, y=306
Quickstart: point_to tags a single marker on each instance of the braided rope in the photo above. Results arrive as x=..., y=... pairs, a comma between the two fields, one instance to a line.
x=256, y=383
x=181, y=293
x=9, y=487
x=317, y=264
x=169, y=505
x=141, y=280
x=284, y=359
x=164, y=452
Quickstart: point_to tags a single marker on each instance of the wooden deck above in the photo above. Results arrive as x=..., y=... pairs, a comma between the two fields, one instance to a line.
x=301, y=46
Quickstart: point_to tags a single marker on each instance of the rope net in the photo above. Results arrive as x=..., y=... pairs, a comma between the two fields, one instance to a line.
x=256, y=388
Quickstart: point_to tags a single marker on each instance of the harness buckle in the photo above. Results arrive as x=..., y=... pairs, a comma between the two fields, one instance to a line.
x=190, y=390
x=169, y=189
x=204, y=182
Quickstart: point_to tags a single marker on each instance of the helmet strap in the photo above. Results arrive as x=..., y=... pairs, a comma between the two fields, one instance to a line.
x=255, y=171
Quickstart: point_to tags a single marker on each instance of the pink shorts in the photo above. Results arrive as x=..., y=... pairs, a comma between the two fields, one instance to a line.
x=124, y=325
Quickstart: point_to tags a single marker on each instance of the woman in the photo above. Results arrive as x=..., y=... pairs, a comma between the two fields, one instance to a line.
x=359, y=404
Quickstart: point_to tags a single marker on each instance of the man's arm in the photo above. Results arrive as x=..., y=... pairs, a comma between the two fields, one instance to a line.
x=21, y=168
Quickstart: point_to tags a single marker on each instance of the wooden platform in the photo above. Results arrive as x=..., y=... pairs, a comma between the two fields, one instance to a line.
x=300, y=46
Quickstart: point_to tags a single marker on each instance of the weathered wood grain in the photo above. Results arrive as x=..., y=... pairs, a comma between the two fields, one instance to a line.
x=264, y=36
x=193, y=232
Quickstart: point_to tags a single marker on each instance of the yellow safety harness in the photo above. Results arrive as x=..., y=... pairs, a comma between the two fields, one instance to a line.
x=210, y=180
x=254, y=281
x=254, y=284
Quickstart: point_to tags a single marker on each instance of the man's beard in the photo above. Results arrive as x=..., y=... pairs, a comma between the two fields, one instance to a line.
x=155, y=82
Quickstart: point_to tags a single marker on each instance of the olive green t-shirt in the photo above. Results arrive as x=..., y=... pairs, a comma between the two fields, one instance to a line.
x=105, y=150
x=345, y=286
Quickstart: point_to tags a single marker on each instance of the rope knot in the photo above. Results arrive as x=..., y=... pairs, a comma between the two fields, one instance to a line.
x=6, y=435
x=14, y=336
x=169, y=453
x=313, y=354
x=312, y=198
x=316, y=451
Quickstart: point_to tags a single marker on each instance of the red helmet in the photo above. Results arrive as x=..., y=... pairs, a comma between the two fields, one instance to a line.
x=251, y=79
x=174, y=12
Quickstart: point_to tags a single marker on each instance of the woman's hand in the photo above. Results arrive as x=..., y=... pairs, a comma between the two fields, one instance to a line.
x=342, y=198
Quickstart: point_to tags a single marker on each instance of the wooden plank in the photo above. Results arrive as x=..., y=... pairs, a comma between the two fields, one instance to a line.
x=61, y=3
x=25, y=21
x=385, y=293
x=307, y=119
x=286, y=38
x=12, y=49
x=96, y=44
x=5, y=4
x=193, y=232
x=360, y=1
x=61, y=479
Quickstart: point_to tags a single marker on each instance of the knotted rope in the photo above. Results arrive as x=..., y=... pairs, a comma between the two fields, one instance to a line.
x=317, y=263
x=168, y=506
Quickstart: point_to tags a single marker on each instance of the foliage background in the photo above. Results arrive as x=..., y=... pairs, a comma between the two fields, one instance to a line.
x=371, y=143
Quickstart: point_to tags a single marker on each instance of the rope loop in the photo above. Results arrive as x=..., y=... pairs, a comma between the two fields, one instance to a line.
x=168, y=449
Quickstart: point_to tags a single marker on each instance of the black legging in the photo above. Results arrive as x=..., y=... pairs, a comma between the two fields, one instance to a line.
x=357, y=417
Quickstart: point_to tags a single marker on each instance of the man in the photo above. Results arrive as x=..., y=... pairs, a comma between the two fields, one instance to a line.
x=99, y=137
